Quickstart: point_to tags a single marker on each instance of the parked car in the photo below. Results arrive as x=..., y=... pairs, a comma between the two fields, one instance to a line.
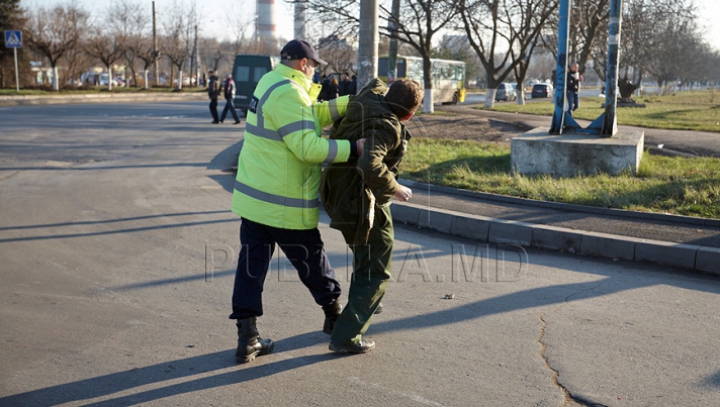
x=506, y=91
x=541, y=90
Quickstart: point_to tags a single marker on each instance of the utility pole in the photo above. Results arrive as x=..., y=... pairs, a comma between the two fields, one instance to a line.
x=155, y=48
x=300, y=19
x=392, y=53
x=197, y=61
x=368, y=39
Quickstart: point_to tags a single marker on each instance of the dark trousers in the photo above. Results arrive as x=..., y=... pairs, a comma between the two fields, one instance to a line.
x=213, y=110
x=229, y=105
x=371, y=273
x=573, y=101
x=304, y=249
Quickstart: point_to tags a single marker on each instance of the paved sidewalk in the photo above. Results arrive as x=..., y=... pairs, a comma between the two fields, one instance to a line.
x=679, y=241
x=23, y=100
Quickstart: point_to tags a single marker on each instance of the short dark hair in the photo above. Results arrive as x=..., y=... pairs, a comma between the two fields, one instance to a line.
x=404, y=97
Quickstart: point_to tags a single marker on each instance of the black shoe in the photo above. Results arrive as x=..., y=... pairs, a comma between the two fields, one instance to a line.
x=222, y=121
x=332, y=312
x=237, y=122
x=364, y=346
x=250, y=344
x=379, y=309
x=214, y=122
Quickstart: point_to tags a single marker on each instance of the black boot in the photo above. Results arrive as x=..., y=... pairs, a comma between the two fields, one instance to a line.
x=250, y=344
x=332, y=312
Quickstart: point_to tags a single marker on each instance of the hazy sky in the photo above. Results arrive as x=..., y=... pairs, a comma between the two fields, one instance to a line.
x=215, y=14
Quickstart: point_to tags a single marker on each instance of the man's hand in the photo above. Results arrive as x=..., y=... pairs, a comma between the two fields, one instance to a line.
x=360, y=143
x=403, y=194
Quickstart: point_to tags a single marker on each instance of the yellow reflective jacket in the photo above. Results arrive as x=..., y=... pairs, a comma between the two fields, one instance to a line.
x=280, y=162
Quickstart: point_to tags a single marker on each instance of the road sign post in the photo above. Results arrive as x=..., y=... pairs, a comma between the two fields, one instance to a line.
x=13, y=39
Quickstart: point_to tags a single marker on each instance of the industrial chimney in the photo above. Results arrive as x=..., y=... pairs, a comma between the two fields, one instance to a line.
x=265, y=22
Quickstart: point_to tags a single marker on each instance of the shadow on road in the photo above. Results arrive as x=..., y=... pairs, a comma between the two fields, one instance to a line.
x=178, y=369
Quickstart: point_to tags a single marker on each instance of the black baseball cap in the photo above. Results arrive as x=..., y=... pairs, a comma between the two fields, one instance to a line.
x=299, y=49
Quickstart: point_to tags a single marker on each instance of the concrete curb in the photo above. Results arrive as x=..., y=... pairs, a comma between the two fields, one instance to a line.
x=691, y=257
x=29, y=100
x=664, y=217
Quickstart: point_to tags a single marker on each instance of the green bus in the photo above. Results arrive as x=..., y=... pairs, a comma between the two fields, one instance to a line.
x=246, y=73
x=448, y=77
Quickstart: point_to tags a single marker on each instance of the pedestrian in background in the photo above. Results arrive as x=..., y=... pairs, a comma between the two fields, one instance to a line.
x=325, y=88
x=276, y=190
x=229, y=99
x=344, y=86
x=573, y=87
x=213, y=91
x=352, y=89
x=333, y=89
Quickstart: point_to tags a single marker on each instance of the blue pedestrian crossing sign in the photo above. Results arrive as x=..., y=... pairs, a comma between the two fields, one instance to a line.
x=13, y=39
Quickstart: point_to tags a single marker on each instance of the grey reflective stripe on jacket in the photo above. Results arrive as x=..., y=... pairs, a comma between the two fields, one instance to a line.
x=275, y=199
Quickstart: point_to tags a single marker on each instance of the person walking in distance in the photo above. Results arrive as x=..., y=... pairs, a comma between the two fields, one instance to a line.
x=276, y=190
x=573, y=87
x=213, y=91
x=229, y=93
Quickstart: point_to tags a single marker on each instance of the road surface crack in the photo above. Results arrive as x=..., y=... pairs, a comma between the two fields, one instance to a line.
x=569, y=399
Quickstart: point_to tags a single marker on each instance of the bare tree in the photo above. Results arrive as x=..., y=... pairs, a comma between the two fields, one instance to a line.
x=107, y=47
x=53, y=32
x=128, y=20
x=211, y=53
x=78, y=61
x=530, y=17
x=340, y=54
x=142, y=48
x=178, y=38
x=504, y=34
x=418, y=24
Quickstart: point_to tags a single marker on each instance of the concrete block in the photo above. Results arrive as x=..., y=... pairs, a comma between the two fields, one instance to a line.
x=671, y=254
x=471, y=227
x=708, y=260
x=503, y=231
x=405, y=213
x=610, y=246
x=538, y=152
x=554, y=238
x=436, y=220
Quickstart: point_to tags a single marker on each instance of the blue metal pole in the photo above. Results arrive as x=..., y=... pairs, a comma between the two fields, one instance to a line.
x=609, y=128
x=558, y=120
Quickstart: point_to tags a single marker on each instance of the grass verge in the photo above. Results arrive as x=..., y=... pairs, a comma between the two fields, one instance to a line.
x=682, y=186
x=696, y=110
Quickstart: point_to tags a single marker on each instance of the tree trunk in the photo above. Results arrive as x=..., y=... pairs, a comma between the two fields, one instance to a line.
x=110, y=79
x=521, y=92
x=180, y=79
x=490, y=97
x=428, y=105
x=55, y=79
x=145, y=80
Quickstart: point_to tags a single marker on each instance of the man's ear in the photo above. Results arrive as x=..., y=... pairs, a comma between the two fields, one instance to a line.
x=406, y=118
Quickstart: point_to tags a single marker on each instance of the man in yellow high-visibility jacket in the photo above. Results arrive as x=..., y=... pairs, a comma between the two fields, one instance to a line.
x=276, y=190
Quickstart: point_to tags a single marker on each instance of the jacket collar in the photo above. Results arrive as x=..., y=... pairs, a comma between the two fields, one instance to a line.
x=295, y=75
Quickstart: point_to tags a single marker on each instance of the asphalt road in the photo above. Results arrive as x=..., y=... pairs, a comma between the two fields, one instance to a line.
x=118, y=252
